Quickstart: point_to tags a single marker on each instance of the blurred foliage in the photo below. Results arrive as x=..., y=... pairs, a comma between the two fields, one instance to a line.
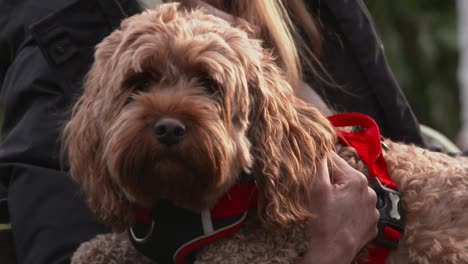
x=420, y=41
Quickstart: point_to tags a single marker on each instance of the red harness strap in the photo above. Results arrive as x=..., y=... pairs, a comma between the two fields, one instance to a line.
x=367, y=142
x=200, y=229
x=238, y=200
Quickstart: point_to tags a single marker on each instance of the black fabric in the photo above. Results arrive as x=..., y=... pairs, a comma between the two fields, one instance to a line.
x=46, y=48
x=4, y=215
x=7, y=252
x=354, y=57
x=175, y=228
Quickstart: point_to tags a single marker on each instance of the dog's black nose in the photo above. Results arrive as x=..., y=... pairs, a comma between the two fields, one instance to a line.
x=169, y=131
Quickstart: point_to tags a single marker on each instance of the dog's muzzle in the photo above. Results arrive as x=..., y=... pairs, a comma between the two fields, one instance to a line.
x=169, y=131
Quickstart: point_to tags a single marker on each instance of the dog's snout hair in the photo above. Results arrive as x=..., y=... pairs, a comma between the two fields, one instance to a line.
x=176, y=106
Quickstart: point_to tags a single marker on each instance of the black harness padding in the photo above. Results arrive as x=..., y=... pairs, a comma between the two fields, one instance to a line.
x=173, y=229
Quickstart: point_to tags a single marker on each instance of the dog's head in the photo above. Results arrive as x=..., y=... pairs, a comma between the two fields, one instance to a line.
x=176, y=106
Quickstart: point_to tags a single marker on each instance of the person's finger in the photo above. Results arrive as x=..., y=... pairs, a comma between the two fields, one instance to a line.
x=374, y=230
x=372, y=196
x=342, y=172
x=323, y=177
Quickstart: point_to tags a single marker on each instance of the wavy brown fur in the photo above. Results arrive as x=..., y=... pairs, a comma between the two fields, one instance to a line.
x=243, y=116
x=435, y=200
x=240, y=112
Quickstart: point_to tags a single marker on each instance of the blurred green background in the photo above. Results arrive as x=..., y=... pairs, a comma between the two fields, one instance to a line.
x=420, y=39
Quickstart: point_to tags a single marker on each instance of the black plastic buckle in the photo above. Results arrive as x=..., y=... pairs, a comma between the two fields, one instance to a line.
x=391, y=212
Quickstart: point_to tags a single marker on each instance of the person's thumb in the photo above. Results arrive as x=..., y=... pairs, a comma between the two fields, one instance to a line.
x=342, y=172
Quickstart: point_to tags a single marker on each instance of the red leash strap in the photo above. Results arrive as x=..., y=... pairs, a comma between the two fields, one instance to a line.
x=367, y=143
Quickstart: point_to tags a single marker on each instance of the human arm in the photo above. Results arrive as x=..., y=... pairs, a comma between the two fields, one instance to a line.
x=48, y=214
x=357, y=75
x=309, y=95
x=346, y=216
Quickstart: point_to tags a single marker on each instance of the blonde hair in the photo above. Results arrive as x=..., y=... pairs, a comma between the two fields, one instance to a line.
x=286, y=27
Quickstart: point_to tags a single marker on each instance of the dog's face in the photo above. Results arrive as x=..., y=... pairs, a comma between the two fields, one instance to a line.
x=175, y=119
x=176, y=106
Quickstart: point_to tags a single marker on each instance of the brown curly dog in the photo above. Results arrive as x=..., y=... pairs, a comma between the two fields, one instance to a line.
x=179, y=103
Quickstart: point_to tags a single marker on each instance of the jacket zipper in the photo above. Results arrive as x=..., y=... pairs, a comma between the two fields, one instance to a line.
x=122, y=10
x=373, y=27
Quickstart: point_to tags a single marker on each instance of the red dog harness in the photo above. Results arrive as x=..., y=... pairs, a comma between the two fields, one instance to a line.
x=168, y=234
x=367, y=142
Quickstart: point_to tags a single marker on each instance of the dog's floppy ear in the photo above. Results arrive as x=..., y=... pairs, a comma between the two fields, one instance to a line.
x=82, y=145
x=289, y=139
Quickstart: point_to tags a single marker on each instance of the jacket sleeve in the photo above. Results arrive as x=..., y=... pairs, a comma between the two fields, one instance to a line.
x=48, y=214
x=5, y=50
x=354, y=58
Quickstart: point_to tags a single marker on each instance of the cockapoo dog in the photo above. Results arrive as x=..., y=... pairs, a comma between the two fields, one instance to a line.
x=178, y=104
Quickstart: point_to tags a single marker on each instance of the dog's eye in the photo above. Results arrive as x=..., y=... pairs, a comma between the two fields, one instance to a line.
x=144, y=85
x=211, y=86
x=140, y=82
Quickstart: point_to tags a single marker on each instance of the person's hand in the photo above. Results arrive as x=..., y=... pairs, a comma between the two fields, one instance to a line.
x=346, y=214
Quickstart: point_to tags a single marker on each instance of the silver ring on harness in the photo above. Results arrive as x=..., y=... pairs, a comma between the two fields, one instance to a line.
x=143, y=239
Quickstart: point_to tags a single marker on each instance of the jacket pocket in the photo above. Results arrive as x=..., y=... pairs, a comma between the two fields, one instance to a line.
x=68, y=36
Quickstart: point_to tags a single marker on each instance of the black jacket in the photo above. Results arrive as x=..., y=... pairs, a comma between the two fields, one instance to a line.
x=353, y=55
x=46, y=48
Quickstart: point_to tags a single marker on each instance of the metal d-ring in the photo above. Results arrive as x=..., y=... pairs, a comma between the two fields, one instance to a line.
x=143, y=239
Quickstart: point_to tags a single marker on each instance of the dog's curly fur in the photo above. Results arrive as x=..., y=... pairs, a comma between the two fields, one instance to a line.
x=240, y=115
